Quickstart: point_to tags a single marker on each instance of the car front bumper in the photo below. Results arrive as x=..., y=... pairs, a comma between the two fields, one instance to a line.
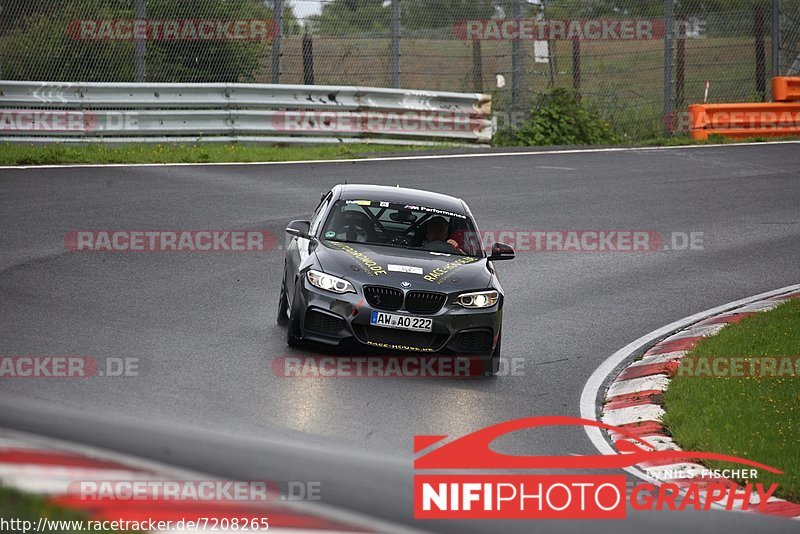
x=333, y=319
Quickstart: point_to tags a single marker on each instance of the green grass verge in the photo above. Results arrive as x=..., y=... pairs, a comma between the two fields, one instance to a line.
x=57, y=154
x=755, y=418
x=18, y=505
x=54, y=154
x=686, y=140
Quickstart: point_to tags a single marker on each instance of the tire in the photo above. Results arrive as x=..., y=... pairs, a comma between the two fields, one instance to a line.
x=293, y=335
x=493, y=364
x=283, y=305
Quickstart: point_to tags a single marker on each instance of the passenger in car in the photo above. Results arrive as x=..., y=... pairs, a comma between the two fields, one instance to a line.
x=436, y=237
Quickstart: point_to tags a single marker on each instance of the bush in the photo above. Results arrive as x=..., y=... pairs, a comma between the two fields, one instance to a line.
x=560, y=120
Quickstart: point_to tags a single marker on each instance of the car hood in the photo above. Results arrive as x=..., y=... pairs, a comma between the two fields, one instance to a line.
x=372, y=264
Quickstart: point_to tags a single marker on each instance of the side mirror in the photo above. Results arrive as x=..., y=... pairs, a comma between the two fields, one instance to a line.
x=501, y=252
x=299, y=229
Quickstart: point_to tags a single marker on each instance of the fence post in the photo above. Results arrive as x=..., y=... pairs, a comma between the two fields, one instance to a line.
x=669, y=38
x=477, y=66
x=308, y=60
x=140, y=12
x=680, y=63
x=277, y=41
x=776, y=37
x=517, y=63
x=576, y=67
x=395, y=82
x=761, y=55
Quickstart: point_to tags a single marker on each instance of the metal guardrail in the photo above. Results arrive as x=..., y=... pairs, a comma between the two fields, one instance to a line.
x=162, y=112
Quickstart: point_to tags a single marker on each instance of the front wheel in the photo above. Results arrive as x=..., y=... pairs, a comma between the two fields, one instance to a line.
x=293, y=335
x=493, y=364
x=283, y=305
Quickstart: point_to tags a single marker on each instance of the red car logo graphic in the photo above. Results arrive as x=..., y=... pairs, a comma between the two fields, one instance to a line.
x=473, y=451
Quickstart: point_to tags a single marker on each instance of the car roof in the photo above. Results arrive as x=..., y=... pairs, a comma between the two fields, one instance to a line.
x=401, y=195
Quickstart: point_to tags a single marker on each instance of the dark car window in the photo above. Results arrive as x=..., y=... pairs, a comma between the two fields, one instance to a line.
x=402, y=225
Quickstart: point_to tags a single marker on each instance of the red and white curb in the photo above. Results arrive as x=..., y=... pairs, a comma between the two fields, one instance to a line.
x=47, y=467
x=629, y=394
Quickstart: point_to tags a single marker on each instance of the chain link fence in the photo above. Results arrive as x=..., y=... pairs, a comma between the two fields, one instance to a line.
x=638, y=62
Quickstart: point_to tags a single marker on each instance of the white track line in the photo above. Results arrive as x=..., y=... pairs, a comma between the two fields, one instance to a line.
x=409, y=158
x=590, y=397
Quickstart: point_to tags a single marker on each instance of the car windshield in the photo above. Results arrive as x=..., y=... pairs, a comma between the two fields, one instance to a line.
x=402, y=225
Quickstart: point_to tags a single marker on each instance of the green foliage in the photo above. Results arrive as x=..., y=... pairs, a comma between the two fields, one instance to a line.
x=559, y=120
x=349, y=17
x=26, y=507
x=59, y=153
x=40, y=48
x=430, y=14
x=571, y=9
x=38, y=45
x=199, y=61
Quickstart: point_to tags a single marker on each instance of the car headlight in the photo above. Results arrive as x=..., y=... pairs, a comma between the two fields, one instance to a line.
x=480, y=299
x=330, y=283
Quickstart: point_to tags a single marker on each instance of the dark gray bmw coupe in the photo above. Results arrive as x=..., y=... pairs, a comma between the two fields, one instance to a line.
x=393, y=268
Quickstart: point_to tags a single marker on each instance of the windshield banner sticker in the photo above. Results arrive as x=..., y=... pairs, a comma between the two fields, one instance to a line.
x=396, y=206
x=435, y=211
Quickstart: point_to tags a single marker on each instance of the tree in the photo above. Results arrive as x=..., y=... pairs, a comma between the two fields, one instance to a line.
x=38, y=45
x=430, y=14
x=346, y=17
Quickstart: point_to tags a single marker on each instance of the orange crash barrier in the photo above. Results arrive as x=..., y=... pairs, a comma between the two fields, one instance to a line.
x=742, y=121
x=786, y=89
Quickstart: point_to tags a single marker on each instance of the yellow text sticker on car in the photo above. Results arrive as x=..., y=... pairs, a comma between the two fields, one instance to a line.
x=438, y=275
x=365, y=260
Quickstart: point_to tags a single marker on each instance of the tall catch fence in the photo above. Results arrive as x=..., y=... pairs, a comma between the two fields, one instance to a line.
x=638, y=62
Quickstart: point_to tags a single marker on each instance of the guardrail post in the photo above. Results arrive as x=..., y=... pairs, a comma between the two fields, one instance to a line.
x=308, y=60
x=669, y=38
x=395, y=82
x=776, y=37
x=277, y=41
x=140, y=12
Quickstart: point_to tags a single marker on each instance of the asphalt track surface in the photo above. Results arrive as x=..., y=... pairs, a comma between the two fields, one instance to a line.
x=203, y=324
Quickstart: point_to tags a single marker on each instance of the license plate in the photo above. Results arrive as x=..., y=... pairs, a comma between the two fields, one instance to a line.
x=401, y=322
